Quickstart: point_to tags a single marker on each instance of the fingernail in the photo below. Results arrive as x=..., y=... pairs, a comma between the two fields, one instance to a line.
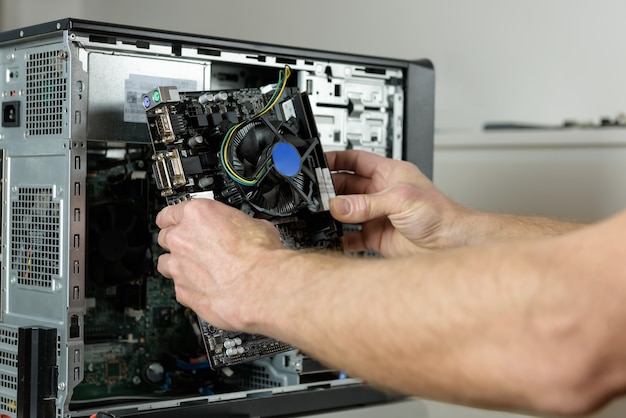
x=341, y=206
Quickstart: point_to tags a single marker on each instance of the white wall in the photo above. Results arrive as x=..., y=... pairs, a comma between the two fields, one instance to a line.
x=532, y=60
x=576, y=174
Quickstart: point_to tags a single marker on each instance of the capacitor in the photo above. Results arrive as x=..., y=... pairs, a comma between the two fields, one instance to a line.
x=231, y=352
x=205, y=182
x=194, y=141
x=238, y=341
x=221, y=96
x=229, y=344
x=154, y=372
x=205, y=98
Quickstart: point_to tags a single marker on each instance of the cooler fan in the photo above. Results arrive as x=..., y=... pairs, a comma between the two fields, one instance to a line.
x=272, y=168
x=118, y=241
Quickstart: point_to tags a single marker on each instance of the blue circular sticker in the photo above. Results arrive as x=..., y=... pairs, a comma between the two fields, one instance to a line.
x=286, y=159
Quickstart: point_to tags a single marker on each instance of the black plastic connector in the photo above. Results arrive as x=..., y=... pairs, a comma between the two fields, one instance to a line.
x=10, y=114
x=37, y=373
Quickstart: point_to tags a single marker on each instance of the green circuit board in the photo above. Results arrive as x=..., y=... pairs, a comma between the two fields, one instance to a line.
x=126, y=350
x=139, y=341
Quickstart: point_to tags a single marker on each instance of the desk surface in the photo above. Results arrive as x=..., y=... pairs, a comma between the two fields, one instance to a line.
x=417, y=408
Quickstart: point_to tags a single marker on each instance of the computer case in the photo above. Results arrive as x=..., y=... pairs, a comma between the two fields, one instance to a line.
x=87, y=325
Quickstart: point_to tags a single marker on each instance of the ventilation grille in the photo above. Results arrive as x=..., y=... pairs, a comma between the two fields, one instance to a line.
x=8, y=359
x=35, y=243
x=8, y=336
x=254, y=376
x=8, y=374
x=8, y=404
x=46, y=92
x=8, y=381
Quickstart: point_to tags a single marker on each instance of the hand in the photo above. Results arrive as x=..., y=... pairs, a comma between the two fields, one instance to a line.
x=400, y=210
x=214, y=251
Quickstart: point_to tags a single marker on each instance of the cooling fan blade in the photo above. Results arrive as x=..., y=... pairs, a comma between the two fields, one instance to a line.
x=274, y=157
x=251, y=143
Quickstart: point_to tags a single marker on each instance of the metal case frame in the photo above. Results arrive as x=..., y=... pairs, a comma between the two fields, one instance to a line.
x=70, y=82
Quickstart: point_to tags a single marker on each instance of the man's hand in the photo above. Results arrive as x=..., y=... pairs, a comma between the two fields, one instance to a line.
x=400, y=210
x=214, y=254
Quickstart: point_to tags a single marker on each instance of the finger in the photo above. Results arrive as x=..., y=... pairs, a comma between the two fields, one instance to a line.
x=173, y=215
x=348, y=183
x=359, y=208
x=163, y=265
x=162, y=240
x=331, y=157
x=363, y=163
x=167, y=216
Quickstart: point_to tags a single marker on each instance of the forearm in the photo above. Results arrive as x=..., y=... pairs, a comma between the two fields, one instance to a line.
x=476, y=227
x=421, y=218
x=416, y=325
x=489, y=326
x=520, y=324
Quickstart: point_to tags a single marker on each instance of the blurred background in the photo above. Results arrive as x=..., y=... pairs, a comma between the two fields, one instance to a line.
x=531, y=61
x=497, y=61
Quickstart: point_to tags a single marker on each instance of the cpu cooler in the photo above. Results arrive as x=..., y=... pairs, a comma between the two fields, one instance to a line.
x=288, y=182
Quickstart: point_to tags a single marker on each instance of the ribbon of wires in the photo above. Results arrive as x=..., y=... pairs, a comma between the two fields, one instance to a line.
x=225, y=148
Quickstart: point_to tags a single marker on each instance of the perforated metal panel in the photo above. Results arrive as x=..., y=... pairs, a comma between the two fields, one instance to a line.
x=8, y=358
x=8, y=336
x=36, y=238
x=46, y=91
x=8, y=404
x=259, y=378
x=262, y=374
x=8, y=376
x=8, y=381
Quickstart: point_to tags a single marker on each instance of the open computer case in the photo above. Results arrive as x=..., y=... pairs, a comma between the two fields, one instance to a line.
x=87, y=326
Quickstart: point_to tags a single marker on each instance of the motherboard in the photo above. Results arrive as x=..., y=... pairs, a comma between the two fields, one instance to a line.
x=255, y=149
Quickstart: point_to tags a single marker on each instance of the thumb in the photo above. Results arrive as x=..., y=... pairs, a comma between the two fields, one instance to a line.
x=359, y=208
